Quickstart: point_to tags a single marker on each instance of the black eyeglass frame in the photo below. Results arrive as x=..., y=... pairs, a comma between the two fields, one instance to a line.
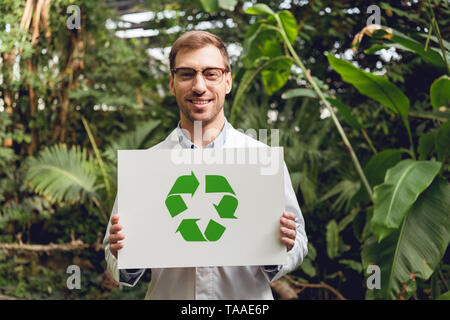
x=224, y=70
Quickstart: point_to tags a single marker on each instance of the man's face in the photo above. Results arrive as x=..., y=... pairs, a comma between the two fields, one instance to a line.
x=199, y=100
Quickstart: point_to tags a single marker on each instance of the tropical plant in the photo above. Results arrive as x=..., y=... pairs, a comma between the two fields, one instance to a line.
x=71, y=176
x=401, y=191
x=70, y=98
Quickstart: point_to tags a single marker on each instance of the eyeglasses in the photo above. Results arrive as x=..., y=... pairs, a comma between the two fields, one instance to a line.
x=212, y=76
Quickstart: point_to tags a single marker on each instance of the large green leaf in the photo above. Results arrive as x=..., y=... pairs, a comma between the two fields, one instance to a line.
x=247, y=81
x=255, y=46
x=402, y=185
x=444, y=296
x=376, y=168
x=228, y=4
x=375, y=87
x=400, y=41
x=275, y=75
x=210, y=5
x=299, y=92
x=62, y=175
x=416, y=248
x=289, y=24
x=260, y=9
x=440, y=92
x=215, y=5
x=271, y=49
x=379, y=163
x=432, y=55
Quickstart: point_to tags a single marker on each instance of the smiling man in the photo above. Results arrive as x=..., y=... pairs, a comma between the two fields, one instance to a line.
x=200, y=80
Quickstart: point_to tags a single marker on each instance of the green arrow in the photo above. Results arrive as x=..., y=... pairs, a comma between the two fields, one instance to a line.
x=227, y=207
x=216, y=183
x=175, y=204
x=185, y=184
x=189, y=230
x=214, y=231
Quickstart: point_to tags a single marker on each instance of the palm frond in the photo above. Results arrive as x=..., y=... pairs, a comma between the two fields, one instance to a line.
x=62, y=175
x=135, y=139
x=345, y=191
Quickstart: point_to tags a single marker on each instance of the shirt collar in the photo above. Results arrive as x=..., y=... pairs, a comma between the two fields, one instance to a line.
x=218, y=142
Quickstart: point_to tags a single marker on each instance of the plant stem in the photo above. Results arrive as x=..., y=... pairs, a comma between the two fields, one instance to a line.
x=438, y=34
x=411, y=143
x=97, y=203
x=443, y=280
x=427, y=116
x=328, y=106
x=98, y=156
x=435, y=288
x=428, y=37
x=368, y=141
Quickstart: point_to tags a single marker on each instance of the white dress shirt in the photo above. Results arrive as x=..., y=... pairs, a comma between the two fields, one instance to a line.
x=229, y=282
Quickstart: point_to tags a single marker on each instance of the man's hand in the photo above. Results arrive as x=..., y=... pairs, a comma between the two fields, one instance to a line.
x=288, y=229
x=114, y=236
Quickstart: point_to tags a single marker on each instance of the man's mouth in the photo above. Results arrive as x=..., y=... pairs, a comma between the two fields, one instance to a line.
x=199, y=102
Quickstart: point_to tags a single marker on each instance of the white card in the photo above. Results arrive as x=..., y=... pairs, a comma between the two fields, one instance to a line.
x=201, y=207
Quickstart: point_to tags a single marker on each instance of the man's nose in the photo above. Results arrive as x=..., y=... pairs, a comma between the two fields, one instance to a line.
x=199, y=83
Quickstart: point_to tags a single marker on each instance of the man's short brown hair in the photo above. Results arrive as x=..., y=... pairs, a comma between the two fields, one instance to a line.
x=193, y=40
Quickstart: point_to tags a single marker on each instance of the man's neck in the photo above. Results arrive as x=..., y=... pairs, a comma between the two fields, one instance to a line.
x=202, y=134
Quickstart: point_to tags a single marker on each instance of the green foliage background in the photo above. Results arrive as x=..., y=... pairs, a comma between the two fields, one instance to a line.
x=70, y=98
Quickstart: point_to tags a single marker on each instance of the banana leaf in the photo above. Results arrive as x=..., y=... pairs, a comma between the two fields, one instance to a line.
x=375, y=87
x=415, y=249
x=402, y=185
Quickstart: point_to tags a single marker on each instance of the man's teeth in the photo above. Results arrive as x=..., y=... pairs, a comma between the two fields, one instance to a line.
x=200, y=102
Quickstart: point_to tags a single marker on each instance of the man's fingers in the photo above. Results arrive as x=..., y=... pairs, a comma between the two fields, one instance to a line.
x=288, y=229
x=114, y=219
x=288, y=223
x=115, y=247
x=289, y=215
x=116, y=237
x=288, y=242
x=288, y=232
x=115, y=228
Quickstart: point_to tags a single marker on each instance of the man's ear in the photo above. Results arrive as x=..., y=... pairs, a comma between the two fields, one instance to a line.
x=228, y=82
x=172, y=89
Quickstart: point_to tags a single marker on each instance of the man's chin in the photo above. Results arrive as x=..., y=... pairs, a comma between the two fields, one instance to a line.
x=204, y=117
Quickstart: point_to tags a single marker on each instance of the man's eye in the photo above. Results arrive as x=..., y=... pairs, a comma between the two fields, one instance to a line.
x=212, y=73
x=187, y=74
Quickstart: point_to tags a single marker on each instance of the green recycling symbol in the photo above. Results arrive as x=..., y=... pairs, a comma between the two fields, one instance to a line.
x=226, y=208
